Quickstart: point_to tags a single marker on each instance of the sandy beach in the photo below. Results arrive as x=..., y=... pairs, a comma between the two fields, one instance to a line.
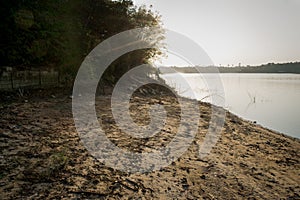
x=42, y=156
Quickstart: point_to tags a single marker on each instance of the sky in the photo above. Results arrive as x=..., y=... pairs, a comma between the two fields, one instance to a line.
x=250, y=32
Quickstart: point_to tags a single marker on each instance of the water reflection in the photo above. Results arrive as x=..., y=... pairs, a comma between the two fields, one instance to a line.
x=273, y=100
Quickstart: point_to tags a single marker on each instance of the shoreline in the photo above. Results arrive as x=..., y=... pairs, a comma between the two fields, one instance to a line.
x=42, y=157
x=257, y=97
x=254, y=122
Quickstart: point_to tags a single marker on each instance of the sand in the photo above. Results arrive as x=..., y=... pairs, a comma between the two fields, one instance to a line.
x=42, y=156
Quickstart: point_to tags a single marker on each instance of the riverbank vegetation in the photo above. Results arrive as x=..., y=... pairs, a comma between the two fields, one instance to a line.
x=58, y=35
x=292, y=67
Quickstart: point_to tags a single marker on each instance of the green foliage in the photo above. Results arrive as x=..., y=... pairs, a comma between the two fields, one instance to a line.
x=57, y=161
x=60, y=33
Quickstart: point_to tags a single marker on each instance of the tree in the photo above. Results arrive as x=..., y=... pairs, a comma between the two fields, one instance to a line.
x=59, y=34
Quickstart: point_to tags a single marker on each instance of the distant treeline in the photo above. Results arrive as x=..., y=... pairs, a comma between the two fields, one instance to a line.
x=268, y=68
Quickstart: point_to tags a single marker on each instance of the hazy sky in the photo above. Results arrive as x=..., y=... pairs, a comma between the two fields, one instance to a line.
x=236, y=31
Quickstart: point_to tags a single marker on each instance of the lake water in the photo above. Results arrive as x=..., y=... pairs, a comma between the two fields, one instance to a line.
x=272, y=100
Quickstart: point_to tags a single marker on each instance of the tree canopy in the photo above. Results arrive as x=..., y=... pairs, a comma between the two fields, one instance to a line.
x=60, y=33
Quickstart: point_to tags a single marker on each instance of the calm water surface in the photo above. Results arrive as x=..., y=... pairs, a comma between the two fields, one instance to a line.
x=273, y=100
